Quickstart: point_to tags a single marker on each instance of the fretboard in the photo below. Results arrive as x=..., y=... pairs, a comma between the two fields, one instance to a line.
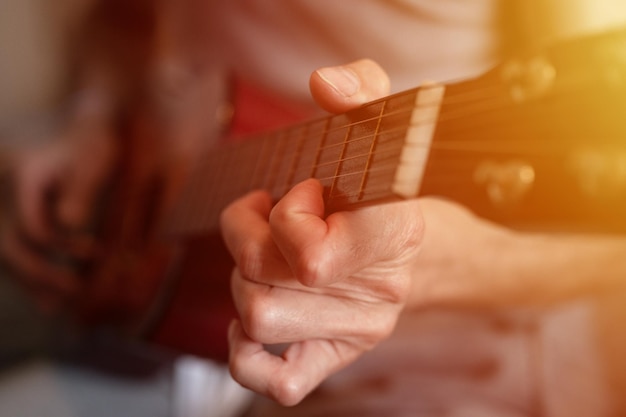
x=374, y=153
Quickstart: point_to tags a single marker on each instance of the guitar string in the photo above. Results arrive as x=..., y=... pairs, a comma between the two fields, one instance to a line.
x=305, y=147
x=499, y=93
x=285, y=186
x=460, y=145
x=450, y=115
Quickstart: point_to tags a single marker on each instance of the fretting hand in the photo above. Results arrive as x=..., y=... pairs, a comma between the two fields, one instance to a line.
x=329, y=287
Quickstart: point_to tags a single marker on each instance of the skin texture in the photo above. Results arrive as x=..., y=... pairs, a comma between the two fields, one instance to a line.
x=331, y=288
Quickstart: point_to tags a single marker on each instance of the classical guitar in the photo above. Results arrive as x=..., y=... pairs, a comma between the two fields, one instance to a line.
x=538, y=141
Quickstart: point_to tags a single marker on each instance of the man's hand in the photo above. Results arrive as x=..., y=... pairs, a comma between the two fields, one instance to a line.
x=56, y=184
x=329, y=287
x=132, y=103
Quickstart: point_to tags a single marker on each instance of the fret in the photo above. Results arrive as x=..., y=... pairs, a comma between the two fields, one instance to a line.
x=262, y=162
x=292, y=146
x=338, y=129
x=238, y=171
x=355, y=156
x=312, y=138
x=357, y=145
x=368, y=163
x=301, y=133
x=247, y=166
x=392, y=131
x=220, y=187
x=278, y=140
x=255, y=150
x=319, y=128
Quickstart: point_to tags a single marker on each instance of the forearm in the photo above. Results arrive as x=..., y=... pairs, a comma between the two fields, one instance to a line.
x=559, y=267
x=469, y=262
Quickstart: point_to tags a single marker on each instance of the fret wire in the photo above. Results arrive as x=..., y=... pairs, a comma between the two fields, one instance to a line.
x=246, y=170
x=196, y=210
x=454, y=99
x=434, y=145
x=379, y=120
x=372, y=147
x=456, y=146
x=255, y=180
x=486, y=105
x=289, y=152
x=340, y=161
x=319, y=149
x=258, y=146
x=277, y=151
x=375, y=189
x=297, y=157
x=356, y=138
x=389, y=168
x=489, y=105
x=392, y=166
x=407, y=109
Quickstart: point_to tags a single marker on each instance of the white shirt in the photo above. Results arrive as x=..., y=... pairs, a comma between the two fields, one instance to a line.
x=277, y=44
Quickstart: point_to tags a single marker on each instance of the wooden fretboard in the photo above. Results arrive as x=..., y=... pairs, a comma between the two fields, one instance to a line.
x=374, y=153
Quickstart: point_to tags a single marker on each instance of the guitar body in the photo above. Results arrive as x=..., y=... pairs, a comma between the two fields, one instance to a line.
x=199, y=311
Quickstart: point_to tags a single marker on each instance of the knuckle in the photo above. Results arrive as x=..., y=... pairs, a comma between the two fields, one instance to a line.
x=312, y=270
x=288, y=390
x=309, y=273
x=258, y=319
x=397, y=290
x=237, y=370
x=380, y=330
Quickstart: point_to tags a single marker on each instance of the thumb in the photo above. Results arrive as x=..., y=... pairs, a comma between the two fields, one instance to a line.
x=341, y=88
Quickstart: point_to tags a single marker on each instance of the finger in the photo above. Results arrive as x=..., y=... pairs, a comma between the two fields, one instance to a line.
x=287, y=378
x=341, y=88
x=324, y=251
x=275, y=314
x=246, y=232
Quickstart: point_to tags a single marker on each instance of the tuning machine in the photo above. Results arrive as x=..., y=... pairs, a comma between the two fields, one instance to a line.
x=507, y=182
x=528, y=78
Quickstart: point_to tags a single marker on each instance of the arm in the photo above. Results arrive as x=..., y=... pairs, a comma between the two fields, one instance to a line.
x=470, y=262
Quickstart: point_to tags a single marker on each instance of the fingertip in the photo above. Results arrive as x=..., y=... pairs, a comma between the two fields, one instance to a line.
x=258, y=201
x=341, y=88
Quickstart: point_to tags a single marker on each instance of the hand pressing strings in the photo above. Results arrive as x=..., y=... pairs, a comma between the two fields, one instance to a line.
x=329, y=287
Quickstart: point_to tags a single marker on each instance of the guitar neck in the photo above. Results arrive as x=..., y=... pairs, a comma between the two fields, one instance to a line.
x=375, y=153
x=519, y=145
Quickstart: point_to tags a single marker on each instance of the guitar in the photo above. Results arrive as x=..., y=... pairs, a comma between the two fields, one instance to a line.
x=535, y=142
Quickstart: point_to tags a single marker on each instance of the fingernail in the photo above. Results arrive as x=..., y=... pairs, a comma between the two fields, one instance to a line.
x=342, y=79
